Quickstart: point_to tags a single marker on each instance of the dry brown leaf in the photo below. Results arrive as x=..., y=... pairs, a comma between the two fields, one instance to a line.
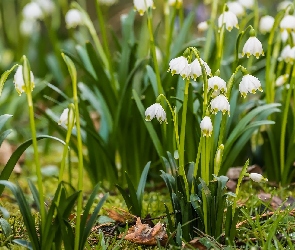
x=146, y=235
x=275, y=201
x=196, y=244
x=120, y=215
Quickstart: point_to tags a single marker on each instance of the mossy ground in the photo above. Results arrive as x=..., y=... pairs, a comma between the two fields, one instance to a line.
x=249, y=234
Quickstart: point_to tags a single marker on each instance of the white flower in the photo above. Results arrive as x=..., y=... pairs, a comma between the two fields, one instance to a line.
x=206, y=126
x=203, y=26
x=176, y=3
x=236, y=8
x=47, y=6
x=19, y=80
x=179, y=65
x=217, y=83
x=73, y=18
x=32, y=11
x=253, y=47
x=63, y=120
x=288, y=54
x=108, y=2
x=28, y=27
x=142, y=5
x=229, y=19
x=248, y=4
x=249, y=84
x=257, y=177
x=220, y=103
x=196, y=69
x=281, y=80
x=157, y=111
x=283, y=5
x=266, y=24
x=288, y=23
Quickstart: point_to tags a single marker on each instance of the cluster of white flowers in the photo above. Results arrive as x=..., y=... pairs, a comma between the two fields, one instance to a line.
x=249, y=84
x=19, y=82
x=187, y=70
x=33, y=11
x=73, y=18
x=155, y=111
x=142, y=5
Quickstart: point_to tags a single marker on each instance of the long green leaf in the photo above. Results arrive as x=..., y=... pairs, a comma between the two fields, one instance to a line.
x=6, y=172
x=142, y=182
x=25, y=210
x=149, y=126
x=4, y=77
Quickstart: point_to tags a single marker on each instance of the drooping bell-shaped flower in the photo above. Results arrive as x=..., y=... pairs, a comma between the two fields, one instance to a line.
x=284, y=5
x=19, y=83
x=63, y=119
x=229, y=19
x=180, y=66
x=220, y=103
x=288, y=23
x=257, y=177
x=249, y=84
x=206, y=126
x=32, y=11
x=203, y=26
x=253, y=47
x=217, y=83
x=236, y=8
x=28, y=27
x=73, y=18
x=266, y=23
x=155, y=110
x=288, y=54
x=142, y=5
x=47, y=6
x=248, y=4
x=281, y=80
x=196, y=69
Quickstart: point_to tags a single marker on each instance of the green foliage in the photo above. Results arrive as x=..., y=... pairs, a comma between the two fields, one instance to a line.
x=134, y=198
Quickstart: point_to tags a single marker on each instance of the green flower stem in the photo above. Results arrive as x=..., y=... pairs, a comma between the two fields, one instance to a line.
x=198, y=156
x=205, y=208
x=36, y=158
x=153, y=50
x=210, y=32
x=73, y=73
x=219, y=48
x=66, y=146
x=182, y=136
x=271, y=59
x=242, y=174
x=102, y=27
x=169, y=35
x=284, y=121
x=29, y=88
x=174, y=117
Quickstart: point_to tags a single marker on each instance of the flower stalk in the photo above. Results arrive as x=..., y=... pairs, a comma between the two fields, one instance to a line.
x=28, y=89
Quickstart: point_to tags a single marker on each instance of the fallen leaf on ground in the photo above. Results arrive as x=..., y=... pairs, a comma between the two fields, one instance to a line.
x=146, y=235
x=120, y=215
